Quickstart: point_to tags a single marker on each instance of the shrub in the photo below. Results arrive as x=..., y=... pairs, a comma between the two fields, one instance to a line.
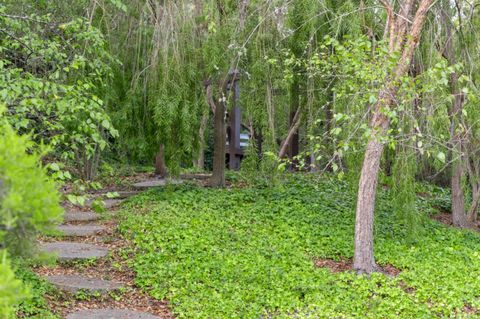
x=29, y=200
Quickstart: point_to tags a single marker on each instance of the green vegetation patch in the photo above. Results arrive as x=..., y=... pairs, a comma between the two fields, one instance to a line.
x=36, y=306
x=249, y=253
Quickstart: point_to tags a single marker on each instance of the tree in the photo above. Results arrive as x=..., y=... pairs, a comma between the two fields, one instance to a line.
x=457, y=47
x=403, y=37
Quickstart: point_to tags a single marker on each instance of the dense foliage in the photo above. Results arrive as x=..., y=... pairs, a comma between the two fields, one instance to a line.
x=52, y=77
x=29, y=199
x=240, y=253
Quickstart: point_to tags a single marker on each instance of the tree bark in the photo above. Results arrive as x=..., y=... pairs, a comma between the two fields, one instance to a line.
x=364, y=261
x=291, y=133
x=459, y=215
x=160, y=166
x=218, y=175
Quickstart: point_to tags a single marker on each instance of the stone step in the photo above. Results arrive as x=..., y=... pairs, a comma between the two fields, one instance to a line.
x=156, y=183
x=80, y=217
x=126, y=194
x=75, y=283
x=80, y=230
x=111, y=314
x=66, y=251
x=109, y=203
x=121, y=195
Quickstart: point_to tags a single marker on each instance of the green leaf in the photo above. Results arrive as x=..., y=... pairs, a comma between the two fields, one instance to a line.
x=441, y=156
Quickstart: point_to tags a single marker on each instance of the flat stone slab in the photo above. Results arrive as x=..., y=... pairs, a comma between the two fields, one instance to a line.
x=111, y=314
x=80, y=216
x=156, y=183
x=126, y=194
x=74, y=283
x=71, y=251
x=110, y=203
x=80, y=230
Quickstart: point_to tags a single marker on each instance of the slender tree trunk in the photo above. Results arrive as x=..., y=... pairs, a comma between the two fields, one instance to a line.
x=364, y=261
x=271, y=112
x=218, y=176
x=459, y=214
x=160, y=166
x=290, y=136
x=473, y=212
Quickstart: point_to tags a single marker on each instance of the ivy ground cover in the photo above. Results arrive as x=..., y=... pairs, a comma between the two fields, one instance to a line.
x=249, y=253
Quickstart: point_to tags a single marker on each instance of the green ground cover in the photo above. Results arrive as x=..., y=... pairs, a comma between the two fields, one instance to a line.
x=248, y=253
x=34, y=307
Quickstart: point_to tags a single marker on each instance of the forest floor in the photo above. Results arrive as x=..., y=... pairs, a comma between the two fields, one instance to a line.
x=285, y=252
x=281, y=251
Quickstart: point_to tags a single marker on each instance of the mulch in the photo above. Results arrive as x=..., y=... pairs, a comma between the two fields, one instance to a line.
x=446, y=218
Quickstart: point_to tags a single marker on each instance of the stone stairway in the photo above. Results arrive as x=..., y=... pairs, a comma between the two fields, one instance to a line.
x=72, y=248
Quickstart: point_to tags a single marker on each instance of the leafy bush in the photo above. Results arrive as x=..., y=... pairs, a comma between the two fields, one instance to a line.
x=12, y=290
x=51, y=78
x=249, y=253
x=29, y=200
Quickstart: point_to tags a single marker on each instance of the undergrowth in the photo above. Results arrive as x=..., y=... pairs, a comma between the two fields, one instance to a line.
x=248, y=253
x=35, y=307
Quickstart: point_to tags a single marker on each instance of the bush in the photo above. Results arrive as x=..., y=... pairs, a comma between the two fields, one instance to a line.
x=52, y=88
x=29, y=200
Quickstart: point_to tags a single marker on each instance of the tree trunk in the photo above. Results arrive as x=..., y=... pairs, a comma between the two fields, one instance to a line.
x=291, y=133
x=458, y=199
x=271, y=112
x=160, y=167
x=218, y=175
x=459, y=214
x=363, y=260
x=473, y=212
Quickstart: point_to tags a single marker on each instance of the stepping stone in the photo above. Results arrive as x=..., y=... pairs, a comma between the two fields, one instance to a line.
x=80, y=230
x=74, y=283
x=121, y=195
x=156, y=183
x=111, y=314
x=72, y=251
x=80, y=217
x=110, y=203
x=126, y=194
